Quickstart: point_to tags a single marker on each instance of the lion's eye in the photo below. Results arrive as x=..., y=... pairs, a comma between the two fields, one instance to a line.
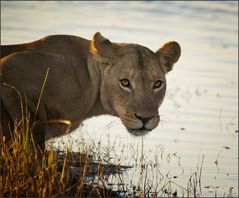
x=125, y=83
x=158, y=84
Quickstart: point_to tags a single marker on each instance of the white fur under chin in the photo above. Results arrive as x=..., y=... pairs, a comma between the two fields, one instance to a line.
x=138, y=132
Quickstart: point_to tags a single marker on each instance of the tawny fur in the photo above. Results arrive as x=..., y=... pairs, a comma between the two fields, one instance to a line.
x=83, y=81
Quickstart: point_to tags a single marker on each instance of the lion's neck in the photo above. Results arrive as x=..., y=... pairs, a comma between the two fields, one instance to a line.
x=95, y=80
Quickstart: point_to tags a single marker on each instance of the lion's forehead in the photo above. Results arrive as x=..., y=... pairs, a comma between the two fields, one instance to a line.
x=139, y=60
x=146, y=73
x=150, y=74
x=138, y=53
x=138, y=64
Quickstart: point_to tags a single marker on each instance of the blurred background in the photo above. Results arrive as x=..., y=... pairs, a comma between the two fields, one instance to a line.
x=200, y=111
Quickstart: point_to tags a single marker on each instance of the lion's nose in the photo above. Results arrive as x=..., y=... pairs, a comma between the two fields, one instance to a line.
x=143, y=119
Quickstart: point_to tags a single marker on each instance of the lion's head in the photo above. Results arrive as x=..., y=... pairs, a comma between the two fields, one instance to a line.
x=133, y=82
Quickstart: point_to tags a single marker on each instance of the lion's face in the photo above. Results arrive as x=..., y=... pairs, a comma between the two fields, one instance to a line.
x=134, y=88
x=133, y=82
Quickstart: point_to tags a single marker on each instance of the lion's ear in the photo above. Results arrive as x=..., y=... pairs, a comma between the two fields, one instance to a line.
x=102, y=47
x=168, y=55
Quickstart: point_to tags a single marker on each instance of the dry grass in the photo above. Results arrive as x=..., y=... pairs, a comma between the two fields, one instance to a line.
x=26, y=173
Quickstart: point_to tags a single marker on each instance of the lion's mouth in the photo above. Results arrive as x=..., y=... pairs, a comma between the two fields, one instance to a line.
x=138, y=126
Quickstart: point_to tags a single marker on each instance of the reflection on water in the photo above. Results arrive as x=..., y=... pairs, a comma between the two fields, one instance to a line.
x=199, y=114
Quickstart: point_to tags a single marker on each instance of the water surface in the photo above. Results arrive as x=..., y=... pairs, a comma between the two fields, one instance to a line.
x=200, y=111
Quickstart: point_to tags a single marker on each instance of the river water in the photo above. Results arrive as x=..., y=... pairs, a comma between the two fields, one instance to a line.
x=199, y=127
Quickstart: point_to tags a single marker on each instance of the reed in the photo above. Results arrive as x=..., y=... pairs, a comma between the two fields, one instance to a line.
x=25, y=173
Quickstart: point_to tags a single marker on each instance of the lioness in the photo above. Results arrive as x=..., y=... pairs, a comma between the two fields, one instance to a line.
x=63, y=77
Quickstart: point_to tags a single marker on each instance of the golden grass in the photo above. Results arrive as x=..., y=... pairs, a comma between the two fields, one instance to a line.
x=25, y=173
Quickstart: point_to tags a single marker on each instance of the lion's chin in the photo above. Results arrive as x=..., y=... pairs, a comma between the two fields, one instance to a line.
x=139, y=132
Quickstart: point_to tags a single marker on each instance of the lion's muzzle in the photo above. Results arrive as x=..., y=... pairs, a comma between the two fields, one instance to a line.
x=140, y=125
